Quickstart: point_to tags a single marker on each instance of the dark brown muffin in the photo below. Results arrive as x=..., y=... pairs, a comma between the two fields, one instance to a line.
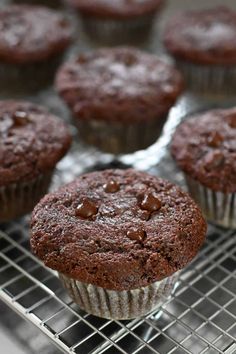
x=205, y=149
x=120, y=97
x=32, y=141
x=32, y=39
x=117, y=22
x=117, y=229
x=204, y=46
x=118, y=239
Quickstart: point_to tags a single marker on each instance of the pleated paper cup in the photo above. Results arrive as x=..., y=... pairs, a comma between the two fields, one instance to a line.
x=115, y=32
x=119, y=138
x=119, y=305
x=20, y=198
x=208, y=79
x=219, y=208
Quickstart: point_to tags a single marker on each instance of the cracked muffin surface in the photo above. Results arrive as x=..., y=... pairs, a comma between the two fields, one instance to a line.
x=117, y=229
x=32, y=141
x=204, y=147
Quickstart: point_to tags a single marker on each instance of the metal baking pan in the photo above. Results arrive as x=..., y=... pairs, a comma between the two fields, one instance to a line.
x=199, y=318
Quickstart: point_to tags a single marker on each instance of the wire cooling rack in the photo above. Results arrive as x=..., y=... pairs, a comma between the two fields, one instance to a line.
x=200, y=317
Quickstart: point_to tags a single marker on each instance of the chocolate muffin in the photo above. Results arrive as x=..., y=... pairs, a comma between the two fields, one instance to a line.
x=205, y=149
x=117, y=22
x=203, y=44
x=118, y=239
x=120, y=97
x=33, y=40
x=32, y=141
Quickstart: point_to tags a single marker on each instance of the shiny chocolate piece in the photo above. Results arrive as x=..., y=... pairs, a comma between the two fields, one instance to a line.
x=86, y=209
x=109, y=249
x=213, y=160
x=232, y=121
x=20, y=118
x=215, y=139
x=111, y=187
x=151, y=202
x=136, y=234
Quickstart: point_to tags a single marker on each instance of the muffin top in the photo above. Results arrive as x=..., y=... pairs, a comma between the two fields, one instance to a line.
x=203, y=37
x=119, y=84
x=32, y=33
x=205, y=148
x=32, y=141
x=117, y=229
x=116, y=8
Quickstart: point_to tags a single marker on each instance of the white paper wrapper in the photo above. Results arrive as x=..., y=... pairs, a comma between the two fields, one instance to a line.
x=208, y=78
x=114, y=32
x=218, y=207
x=117, y=138
x=20, y=198
x=27, y=78
x=119, y=305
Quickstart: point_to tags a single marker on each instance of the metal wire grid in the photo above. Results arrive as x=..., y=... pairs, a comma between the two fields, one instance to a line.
x=200, y=317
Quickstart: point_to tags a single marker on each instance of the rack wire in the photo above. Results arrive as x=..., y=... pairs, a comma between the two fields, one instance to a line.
x=200, y=317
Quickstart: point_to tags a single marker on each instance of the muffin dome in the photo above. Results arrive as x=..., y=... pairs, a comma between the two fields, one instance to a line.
x=32, y=34
x=117, y=229
x=32, y=141
x=204, y=147
x=203, y=37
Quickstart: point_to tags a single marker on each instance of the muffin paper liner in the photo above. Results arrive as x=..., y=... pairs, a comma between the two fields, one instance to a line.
x=218, y=207
x=119, y=305
x=25, y=78
x=119, y=31
x=117, y=138
x=209, y=79
x=20, y=198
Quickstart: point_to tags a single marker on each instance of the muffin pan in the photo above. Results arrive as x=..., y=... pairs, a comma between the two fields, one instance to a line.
x=199, y=318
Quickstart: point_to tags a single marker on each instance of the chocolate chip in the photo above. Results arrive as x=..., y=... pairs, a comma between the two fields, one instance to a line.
x=82, y=59
x=86, y=209
x=213, y=160
x=136, y=234
x=214, y=139
x=145, y=215
x=151, y=202
x=20, y=118
x=232, y=122
x=63, y=23
x=111, y=187
x=129, y=59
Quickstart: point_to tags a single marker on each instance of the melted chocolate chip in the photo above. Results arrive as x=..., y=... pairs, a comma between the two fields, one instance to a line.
x=82, y=59
x=150, y=202
x=232, y=122
x=213, y=160
x=86, y=209
x=111, y=187
x=136, y=234
x=215, y=139
x=130, y=60
x=20, y=118
x=145, y=215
